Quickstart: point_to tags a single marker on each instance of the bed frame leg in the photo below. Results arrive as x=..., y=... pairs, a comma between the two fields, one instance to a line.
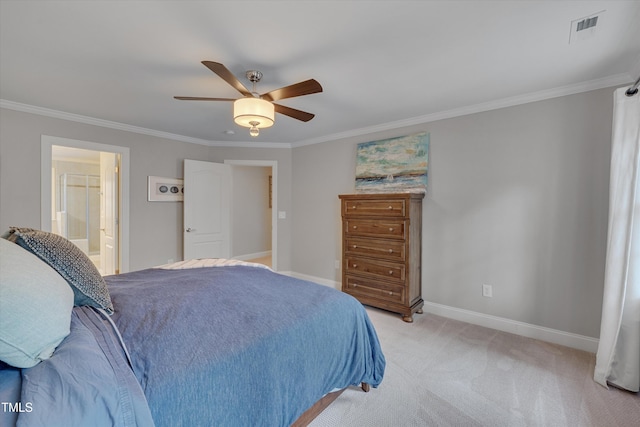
x=365, y=387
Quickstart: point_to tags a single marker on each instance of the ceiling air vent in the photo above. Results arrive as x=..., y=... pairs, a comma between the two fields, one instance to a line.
x=584, y=28
x=587, y=23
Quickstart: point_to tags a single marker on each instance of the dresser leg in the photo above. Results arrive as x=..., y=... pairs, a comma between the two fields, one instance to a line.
x=408, y=318
x=419, y=311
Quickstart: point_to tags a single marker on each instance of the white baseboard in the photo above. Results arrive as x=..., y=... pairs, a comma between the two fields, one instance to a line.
x=580, y=342
x=247, y=257
x=555, y=336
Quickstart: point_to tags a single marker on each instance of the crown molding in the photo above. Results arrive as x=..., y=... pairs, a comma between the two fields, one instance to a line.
x=616, y=80
x=26, y=108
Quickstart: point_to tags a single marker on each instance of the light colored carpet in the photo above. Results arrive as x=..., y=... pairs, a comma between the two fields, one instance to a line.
x=442, y=372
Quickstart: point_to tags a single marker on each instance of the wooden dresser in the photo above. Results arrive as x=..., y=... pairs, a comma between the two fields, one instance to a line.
x=381, y=250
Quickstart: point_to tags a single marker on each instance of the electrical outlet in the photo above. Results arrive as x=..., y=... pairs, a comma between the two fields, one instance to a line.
x=487, y=291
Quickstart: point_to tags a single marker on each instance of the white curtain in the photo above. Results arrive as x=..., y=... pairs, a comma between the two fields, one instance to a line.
x=618, y=357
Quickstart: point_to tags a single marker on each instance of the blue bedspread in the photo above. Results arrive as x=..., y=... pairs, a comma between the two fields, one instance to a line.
x=223, y=346
x=240, y=346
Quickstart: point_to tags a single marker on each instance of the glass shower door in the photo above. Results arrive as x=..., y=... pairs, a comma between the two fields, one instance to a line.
x=80, y=206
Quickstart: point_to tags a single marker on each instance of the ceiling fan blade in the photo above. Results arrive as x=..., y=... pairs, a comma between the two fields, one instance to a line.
x=293, y=113
x=227, y=76
x=198, y=98
x=306, y=87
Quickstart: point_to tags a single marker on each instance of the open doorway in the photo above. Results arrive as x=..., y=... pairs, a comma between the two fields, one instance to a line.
x=84, y=202
x=251, y=204
x=254, y=220
x=85, y=199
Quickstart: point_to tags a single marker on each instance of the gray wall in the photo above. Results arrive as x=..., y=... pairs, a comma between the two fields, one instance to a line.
x=517, y=199
x=155, y=228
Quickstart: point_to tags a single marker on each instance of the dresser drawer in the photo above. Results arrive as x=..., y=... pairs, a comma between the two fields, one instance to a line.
x=371, y=208
x=388, y=249
x=370, y=267
x=374, y=289
x=394, y=229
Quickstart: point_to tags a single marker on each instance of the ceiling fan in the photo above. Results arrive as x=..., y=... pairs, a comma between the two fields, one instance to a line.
x=256, y=111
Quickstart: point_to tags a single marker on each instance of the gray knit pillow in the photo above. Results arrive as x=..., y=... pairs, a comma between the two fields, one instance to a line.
x=89, y=288
x=9, y=233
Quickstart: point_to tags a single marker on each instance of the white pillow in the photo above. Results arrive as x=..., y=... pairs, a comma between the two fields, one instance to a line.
x=35, y=307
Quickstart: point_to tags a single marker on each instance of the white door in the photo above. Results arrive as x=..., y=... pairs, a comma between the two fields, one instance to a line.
x=108, y=213
x=206, y=210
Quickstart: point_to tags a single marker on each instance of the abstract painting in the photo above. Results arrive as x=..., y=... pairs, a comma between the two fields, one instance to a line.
x=393, y=165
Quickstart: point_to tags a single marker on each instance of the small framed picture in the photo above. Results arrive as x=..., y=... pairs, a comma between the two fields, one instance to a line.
x=165, y=189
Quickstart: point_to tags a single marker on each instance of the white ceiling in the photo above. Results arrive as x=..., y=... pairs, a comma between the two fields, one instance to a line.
x=382, y=64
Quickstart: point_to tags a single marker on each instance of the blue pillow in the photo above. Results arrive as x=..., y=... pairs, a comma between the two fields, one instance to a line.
x=87, y=382
x=35, y=307
x=89, y=288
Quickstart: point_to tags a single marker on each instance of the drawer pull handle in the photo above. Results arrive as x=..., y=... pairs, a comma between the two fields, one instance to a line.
x=390, y=207
x=355, y=265
x=390, y=272
x=390, y=293
x=355, y=246
x=390, y=228
x=390, y=251
x=354, y=207
x=355, y=227
x=355, y=285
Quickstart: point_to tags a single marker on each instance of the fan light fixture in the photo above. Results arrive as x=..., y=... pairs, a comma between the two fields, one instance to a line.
x=253, y=110
x=253, y=113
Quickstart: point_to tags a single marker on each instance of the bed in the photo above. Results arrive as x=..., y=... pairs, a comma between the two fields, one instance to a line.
x=199, y=343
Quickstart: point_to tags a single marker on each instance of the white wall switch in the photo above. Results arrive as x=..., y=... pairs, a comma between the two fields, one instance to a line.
x=282, y=215
x=487, y=291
